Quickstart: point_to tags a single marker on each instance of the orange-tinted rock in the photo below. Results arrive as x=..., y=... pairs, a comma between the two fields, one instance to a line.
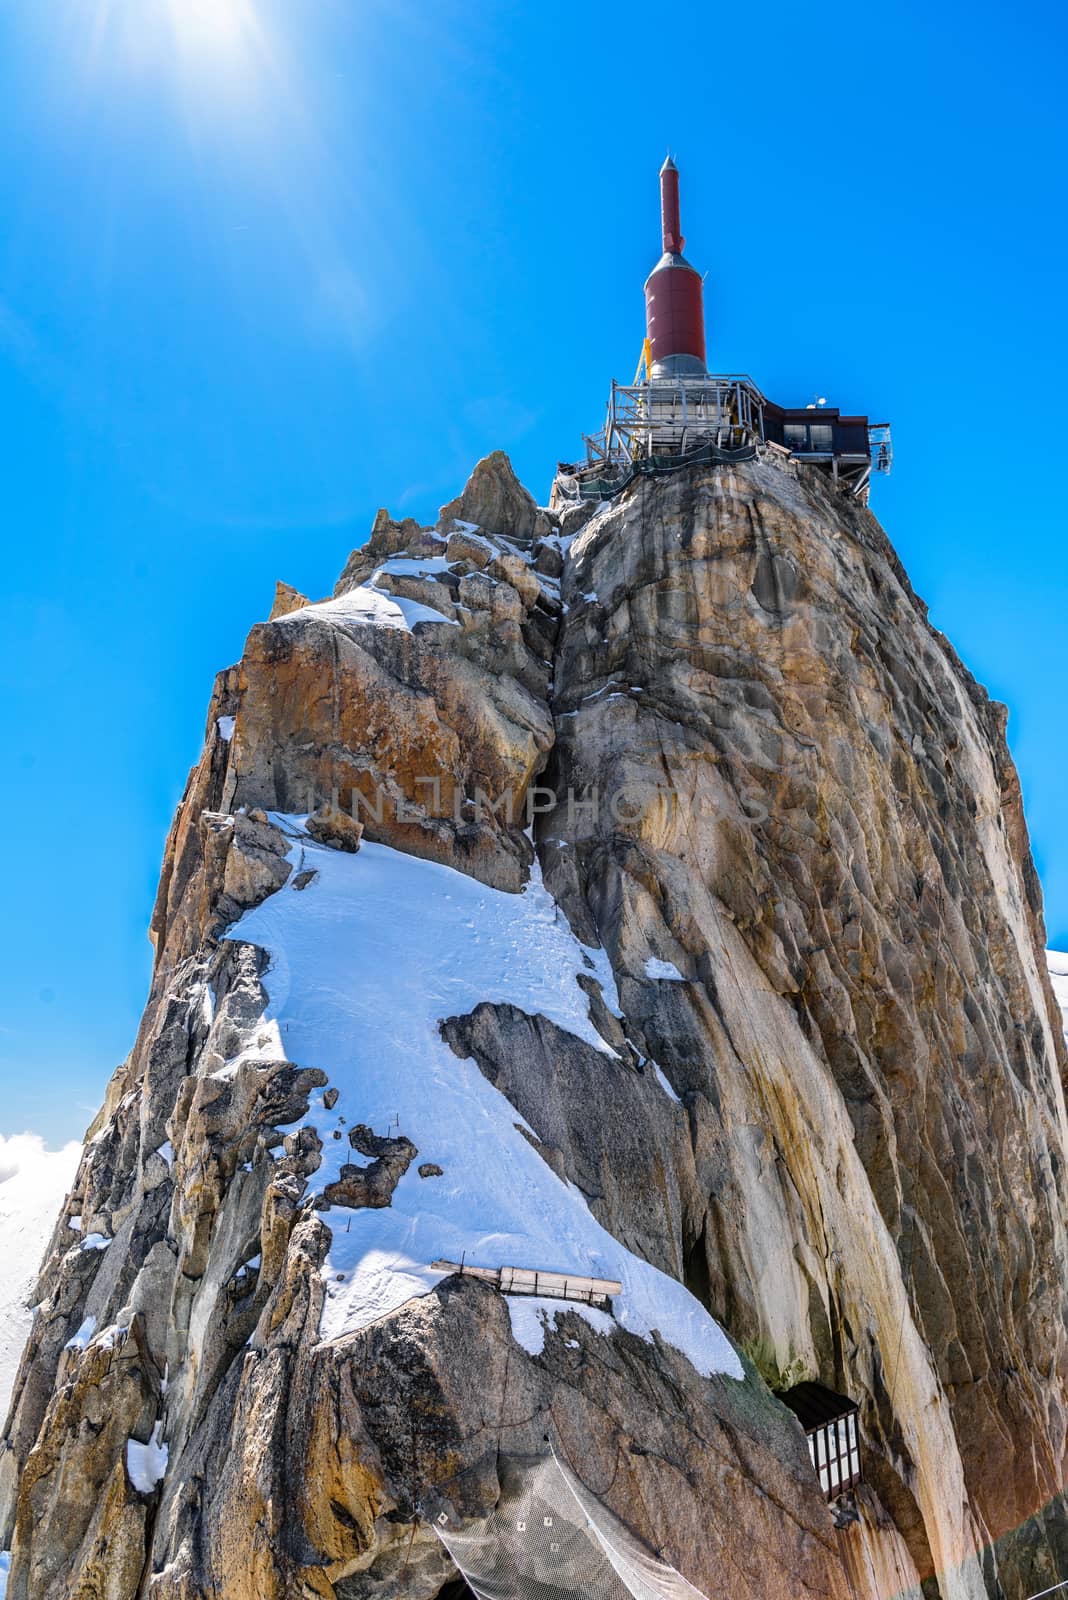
x=286, y=599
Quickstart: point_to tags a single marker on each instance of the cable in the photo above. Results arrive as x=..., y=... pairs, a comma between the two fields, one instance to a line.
x=604, y=1493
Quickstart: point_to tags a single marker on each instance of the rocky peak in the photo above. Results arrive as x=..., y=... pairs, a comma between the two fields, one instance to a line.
x=286, y=599
x=495, y=501
x=747, y=1012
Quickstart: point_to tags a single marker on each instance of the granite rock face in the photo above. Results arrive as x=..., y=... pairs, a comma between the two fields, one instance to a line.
x=816, y=821
x=769, y=790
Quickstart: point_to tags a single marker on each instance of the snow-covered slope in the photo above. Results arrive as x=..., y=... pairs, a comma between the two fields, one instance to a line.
x=1058, y=972
x=365, y=963
x=33, y=1181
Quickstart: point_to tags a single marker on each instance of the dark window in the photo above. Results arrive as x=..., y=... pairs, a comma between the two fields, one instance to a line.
x=806, y=437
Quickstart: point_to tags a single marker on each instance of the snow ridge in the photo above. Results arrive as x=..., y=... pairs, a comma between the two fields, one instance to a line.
x=369, y=603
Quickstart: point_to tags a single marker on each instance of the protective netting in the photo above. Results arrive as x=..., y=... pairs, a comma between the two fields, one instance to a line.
x=613, y=482
x=549, y=1537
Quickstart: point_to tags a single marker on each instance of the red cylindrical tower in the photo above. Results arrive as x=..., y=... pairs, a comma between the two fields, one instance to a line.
x=674, y=294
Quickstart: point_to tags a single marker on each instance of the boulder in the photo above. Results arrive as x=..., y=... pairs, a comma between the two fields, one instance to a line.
x=480, y=592
x=513, y=570
x=470, y=548
x=371, y=1185
x=332, y=827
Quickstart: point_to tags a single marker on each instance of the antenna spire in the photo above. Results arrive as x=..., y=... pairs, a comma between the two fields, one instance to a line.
x=674, y=307
x=674, y=243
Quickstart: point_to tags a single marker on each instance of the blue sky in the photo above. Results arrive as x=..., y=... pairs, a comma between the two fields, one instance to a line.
x=269, y=264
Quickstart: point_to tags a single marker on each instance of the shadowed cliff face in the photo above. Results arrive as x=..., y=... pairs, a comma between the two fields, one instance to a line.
x=828, y=1099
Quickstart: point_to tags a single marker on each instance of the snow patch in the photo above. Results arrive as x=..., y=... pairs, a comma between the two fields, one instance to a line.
x=79, y=1340
x=166, y=1150
x=412, y=567
x=95, y=1241
x=207, y=1001
x=226, y=726
x=664, y=1084
x=265, y=1048
x=363, y=967
x=666, y=971
x=368, y=604
x=146, y=1463
x=111, y=1336
x=530, y=1316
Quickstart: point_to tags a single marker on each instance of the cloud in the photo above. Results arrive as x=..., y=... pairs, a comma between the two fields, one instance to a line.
x=24, y=1155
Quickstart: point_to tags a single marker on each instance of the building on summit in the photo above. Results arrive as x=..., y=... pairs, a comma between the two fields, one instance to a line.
x=677, y=413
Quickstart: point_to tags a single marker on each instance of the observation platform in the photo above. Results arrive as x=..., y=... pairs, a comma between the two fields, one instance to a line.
x=666, y=423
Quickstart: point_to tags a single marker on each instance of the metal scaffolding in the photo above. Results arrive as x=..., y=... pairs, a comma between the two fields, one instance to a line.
x=674, y=416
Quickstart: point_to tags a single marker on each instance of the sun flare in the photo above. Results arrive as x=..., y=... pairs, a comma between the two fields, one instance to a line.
x=213, y=27
x=203, y=36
